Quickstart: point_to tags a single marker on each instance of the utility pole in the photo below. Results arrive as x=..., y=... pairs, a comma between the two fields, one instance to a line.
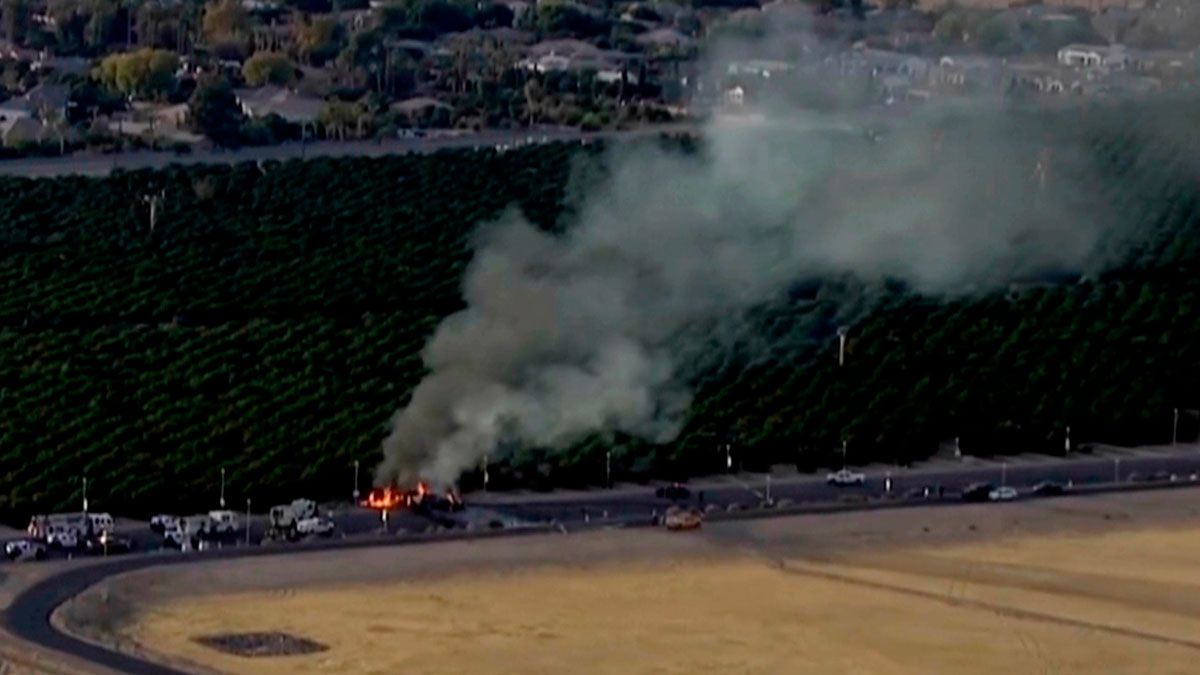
x=1067, y=442
x=728, y=458
x=155, y=201
x=85, y=504
x=1175, y=428
x=841, y=331
x=247, y=521
x=354, y=495
x=843, y=454
x=485, y=473
x=222, y=487
x=957, y=449
x=768, y=488
x=608, y=468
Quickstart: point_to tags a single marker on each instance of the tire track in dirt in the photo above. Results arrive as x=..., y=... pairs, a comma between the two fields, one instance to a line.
x=1001, y=610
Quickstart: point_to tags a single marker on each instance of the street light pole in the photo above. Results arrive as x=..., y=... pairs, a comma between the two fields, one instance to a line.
x=728, y=458
x=354, y=495
x=1175, y=428
x=608, y=468
x=222, y=487
x=1067, y=442
x=247, y=521
x=85, y=504
x=843, y=454
x=485, y=473
x=841, y=345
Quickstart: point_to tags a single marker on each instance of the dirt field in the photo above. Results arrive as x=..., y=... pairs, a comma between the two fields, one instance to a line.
x=1107, y=584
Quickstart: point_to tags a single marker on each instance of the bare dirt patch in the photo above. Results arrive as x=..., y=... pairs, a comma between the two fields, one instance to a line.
x=1104, y=584
x=260, y=644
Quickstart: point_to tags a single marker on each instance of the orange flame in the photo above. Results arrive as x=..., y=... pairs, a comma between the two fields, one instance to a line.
x=385, y=498
x=391, y=497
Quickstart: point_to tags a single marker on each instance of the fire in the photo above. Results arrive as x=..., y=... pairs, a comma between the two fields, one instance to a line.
x=392, y=497
x=385, y=498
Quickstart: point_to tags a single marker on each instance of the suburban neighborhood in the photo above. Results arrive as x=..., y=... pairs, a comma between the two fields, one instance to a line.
x=184, y=74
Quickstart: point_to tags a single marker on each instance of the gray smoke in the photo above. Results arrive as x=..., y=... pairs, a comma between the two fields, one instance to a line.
x=568, y=335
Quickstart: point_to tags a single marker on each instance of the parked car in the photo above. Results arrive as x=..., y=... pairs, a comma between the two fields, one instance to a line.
x=25, y=549
x=107, y=544
x=223, y=522
x=674, y=492
x=163, y=522
x=683, y=519
x=61, y=536
x=1049, y=488
x=977, y=492
x=845, y=477
x=917, y=493
x=314, y=527
x=1002, y=494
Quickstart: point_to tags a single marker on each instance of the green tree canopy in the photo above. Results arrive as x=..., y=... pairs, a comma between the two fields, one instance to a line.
x=268, y=68
x=143, y=73
x=214, y=111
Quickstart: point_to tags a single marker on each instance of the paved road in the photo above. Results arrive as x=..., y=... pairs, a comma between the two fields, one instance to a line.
x=1085, y=470
x=28, y=616
x=100, y=165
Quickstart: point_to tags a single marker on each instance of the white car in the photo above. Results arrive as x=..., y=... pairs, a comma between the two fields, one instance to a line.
x=25, y=549
x=1002, y=494
x=314, y=527
x=846, y=477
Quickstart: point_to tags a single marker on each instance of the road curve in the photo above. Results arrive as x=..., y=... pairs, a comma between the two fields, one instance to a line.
x=28, y=617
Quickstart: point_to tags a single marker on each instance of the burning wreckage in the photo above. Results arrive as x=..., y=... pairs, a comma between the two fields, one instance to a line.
x=422, y=499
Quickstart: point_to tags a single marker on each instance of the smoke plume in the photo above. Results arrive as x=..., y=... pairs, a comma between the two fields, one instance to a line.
x=572, y=334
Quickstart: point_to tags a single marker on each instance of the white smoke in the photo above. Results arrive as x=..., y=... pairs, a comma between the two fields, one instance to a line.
x=568, y=335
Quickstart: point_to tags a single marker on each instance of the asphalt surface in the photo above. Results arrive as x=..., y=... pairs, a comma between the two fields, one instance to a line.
x=1078, y=470
x=28, y=617
x=86, y=164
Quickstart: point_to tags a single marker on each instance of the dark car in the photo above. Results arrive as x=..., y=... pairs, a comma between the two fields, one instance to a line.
x=107, y=543
x=918, y=493
x=1049, y=488
x=450, y=502
x=977, y=492
x=674, y=492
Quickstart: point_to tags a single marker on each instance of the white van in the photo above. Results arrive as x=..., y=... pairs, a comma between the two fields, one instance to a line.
x=62, y=536
x=223, y=522
x=100, y=522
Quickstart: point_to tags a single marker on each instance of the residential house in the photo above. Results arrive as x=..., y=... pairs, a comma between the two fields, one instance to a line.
x=1114, y=57
x=16, y=131
x=664, y=38
x=44, y=102
x=763, y=68
x=64, y=65
x=1046, y=79
x=967, y=71
x=292, y=106
x=1164, y=61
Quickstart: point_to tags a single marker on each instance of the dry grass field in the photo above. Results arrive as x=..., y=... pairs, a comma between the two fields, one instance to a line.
x=1109, y=584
